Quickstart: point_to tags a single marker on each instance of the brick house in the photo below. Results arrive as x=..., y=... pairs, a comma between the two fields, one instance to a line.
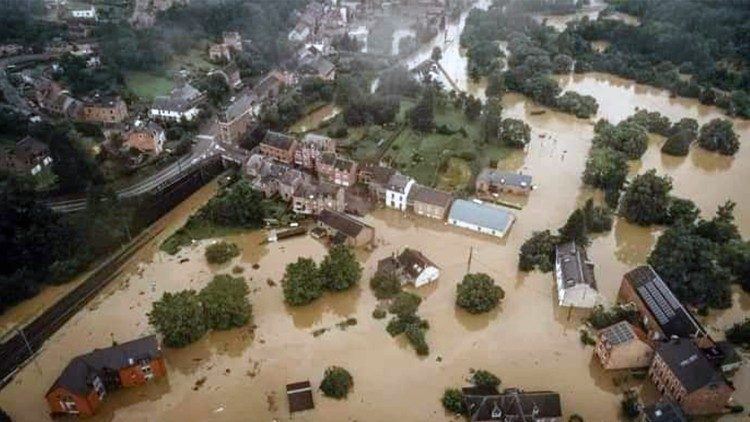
x=87, y=379
x=104, y=110
x=490, y=183
x=429, y=202
x=310, y=148
x=343, y=229
x=324, y=165
x=344, y=172
x=376, y=178
x=235, y=120
x=623, y=346
x=147, y=138
x=278, y=146
x=682, y=373
x=487, y=404
x=312, y=198
x=289, y=182
x=663, y=315
x=27, y=156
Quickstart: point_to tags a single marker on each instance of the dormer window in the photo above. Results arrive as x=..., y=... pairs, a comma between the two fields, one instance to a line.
x=496, y=411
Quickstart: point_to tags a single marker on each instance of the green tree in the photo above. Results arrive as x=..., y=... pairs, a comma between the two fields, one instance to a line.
x=302, y=283
x=627, y=137
x=415, y=334
x=491, y=120
x=472, y=108
x=680, y=137
x=495, y=84
x=477, y=293
x=385, y=286
x=574, y=229
x=538, y=251
x=515, y=133
x=483, y=378
x=562, y=64
x=646, y=201
x=437, y=54
x=225, y=302
x=337, y=382
x=740, y=333
x=422, y=116
x=453, y=401
x=340, y=269
x=605, y=169
x=179, y=318
x=405, y=304
x=221, y=252
x=237, y=206
x=718, y=135
x=683, y=211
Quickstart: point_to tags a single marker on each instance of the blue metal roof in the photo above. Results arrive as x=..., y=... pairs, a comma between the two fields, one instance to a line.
x=481, y=214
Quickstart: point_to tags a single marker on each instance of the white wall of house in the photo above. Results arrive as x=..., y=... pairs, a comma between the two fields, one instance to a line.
x=428, y=275
x=89, y=13
x=397, y=200
x=479, y=229
x=578, y=296
x=173, y=115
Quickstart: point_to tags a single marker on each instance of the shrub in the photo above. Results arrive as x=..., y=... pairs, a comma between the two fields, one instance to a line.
x=337, y=382
x=646, y=201
x=385, y=286
x=379, y=313
x=740, y=333
x=586, y=338
x=477, y=293
x=225, y=302
x=415, y=335
x=538, y=252
x=718, y=135
x=340, y=269
x=515, y=133
x=179, y=318
x=453, y=401
x=405, y=304
x=221, y=252
x=603, y=318
x=483, y=378
x=301, y=282
x=630, y=407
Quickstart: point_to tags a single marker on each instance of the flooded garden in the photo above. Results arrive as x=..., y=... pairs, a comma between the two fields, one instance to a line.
x=528, y=341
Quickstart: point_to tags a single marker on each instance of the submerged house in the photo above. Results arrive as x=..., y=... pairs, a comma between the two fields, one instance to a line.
x=491, y=183
x=480, y=217
x=574, y=275
x=487, y=404
x=623, y=346
x=411, y=266
x=83, y=384
x=343, y=229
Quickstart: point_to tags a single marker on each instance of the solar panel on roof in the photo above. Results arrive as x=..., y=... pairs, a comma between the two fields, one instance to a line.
x=668, y=295
x=652, y=305
x=656, y=294
x=619, y=333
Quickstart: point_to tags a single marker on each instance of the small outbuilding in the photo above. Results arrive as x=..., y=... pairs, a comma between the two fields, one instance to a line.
x=300, y=397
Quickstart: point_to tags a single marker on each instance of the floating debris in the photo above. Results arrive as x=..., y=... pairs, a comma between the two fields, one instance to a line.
x=270, y=282
x=319, y=332
x=199, y=383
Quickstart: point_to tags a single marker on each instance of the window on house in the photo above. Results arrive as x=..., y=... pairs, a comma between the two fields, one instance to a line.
x=68, y=404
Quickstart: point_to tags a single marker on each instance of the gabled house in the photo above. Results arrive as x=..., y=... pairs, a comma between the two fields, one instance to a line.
x=27, y=156
x=574, y=276
x=181, y=104
x=682, y=373
x=83, y=384
x=312, y=198
x=343, y=229
x=429, y=202
x=147, y=138
x=662, y=313
x=663, y=411
x=278, y=146
x=480, y=217
x=310, y=148
x=271, y=85
x=411, y=266
x=324, y=165
x=491, y=183
x=100, y=109
x=344, y=171
x=486, y=404
x=236, y=118
x=376, y=177
x=288, y=183
x=623, y=346
x=397, y=191
x=318, y=67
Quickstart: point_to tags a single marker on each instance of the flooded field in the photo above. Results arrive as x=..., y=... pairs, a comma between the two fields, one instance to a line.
x=313, y=120
x=529, y=342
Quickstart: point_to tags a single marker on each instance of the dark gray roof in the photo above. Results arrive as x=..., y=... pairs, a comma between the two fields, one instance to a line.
x=689, y=364
x=76, y=377
x=182, y=98
x=670, y=314
x=576, y=268
x=663, y=411
x=342, y=223
x=300, y=396
x=398, y=182
x=430, y=196
x=239, y=106
x=318, y=65
x=414, y=262
x=278, y=140
x=269, y=82
x=504, y=178
x=313, y=140
x=526, y=406
x=328, y=158
x=480, y=214
x=29, y=147
x=343, y=164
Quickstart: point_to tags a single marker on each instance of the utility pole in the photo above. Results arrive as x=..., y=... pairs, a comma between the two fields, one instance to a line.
x=468, y=264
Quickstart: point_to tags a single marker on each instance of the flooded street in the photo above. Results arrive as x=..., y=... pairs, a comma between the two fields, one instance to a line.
x=528, y=342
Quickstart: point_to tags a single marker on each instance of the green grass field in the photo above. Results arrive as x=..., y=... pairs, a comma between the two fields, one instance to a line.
x=147, y=85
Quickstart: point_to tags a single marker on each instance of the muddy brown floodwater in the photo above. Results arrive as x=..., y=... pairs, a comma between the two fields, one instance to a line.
x=528, y=341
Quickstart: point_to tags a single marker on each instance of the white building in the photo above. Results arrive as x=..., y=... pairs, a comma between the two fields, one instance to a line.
x=397, y=191
x=182, y=103
x=574, y=275
x=410, y=266
x=84, y=12
x=480, y=217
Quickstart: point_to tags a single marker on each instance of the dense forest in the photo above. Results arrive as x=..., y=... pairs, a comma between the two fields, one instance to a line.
x=694, y=48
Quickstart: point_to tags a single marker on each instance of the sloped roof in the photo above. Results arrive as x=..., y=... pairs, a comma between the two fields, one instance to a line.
x=278, y=140
x=241, y=105
x=689, y=364
x=342, y=223
x=430, y=196
x=414, y=262
x=673, y=318
x=664, y=411
x=513, y=404
x=480, y=214
x=398, y=182
x=81, y=369
x=504, y=178
x=299, y=395
x=576, y=268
